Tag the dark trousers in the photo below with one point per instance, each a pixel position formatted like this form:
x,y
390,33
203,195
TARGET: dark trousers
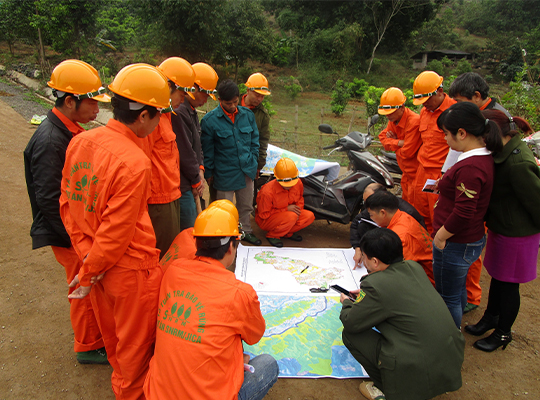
x,y
365,347
166,222
504,301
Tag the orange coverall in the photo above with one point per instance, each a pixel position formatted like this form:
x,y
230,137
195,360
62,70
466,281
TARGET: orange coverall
x,y
407,130
431,157
272,214
204,315
105,189
183,246
417,244
83,321
165,185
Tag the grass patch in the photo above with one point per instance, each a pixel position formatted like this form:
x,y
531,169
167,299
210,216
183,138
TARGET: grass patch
x,y
30,96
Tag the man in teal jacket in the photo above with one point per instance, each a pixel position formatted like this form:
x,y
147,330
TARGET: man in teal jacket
x,y
416,352
230,143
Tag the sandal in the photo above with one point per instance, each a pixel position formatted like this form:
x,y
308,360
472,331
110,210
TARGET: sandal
x,y
275,242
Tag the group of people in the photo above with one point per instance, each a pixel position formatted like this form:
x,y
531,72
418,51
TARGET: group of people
x,y
113,201
467,179
121,207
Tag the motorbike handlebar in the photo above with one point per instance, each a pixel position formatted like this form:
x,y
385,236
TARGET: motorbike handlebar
x,y
330,147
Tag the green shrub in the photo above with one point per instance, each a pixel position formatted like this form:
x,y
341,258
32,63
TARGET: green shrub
x,y
523,99
340,97
357,88
372,97
463,66
293,89
437,66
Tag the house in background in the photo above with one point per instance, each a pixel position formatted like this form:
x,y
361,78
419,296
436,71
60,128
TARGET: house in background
x,y
420,60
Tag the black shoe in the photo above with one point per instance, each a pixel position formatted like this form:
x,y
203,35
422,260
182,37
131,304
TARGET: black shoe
x,y
251,238
497,339
275,242
295,236
487,322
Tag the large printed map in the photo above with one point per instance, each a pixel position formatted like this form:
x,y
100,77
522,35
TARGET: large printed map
x,y
303,330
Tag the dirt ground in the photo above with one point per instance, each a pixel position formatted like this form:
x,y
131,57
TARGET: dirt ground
x,y
36,341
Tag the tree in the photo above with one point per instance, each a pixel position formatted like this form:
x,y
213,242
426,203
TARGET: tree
x,y
15,17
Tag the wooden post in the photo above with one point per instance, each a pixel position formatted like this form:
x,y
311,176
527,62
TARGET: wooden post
x,y
352,119
320,136
296,127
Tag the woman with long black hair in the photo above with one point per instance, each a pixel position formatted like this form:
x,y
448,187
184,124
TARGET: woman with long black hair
x,y
464,192
513,220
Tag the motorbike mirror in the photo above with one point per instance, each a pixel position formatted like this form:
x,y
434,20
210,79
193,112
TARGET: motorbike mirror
x,y
374,119
325,128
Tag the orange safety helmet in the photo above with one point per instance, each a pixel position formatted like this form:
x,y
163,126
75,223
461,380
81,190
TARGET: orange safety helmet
x,y
286,172
392,99
425,85
180,72
206,78
144,84
225,205
78,78
217,221
258,83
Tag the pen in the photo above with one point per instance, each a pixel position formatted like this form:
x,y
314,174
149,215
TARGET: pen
x,y
304,269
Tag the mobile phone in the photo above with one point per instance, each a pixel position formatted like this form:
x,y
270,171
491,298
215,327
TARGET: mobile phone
x,y
339,289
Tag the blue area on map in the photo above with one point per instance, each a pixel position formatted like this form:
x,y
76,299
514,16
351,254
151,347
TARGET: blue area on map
x,y
343,363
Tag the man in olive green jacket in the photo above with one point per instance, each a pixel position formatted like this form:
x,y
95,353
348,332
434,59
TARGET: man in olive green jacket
x,y
416,352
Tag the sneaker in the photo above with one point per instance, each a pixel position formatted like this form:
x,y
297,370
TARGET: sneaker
x,y
295,236
251,238
371,392
98,356
469,307
275,242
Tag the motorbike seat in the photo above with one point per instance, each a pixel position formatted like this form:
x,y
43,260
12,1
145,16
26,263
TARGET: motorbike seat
x,y
389,155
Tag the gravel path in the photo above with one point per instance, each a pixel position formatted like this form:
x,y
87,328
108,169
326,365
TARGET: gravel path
x,y
20,99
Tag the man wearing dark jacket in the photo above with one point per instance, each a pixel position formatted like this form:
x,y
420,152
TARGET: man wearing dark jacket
x,y
416,352
363,223
76,102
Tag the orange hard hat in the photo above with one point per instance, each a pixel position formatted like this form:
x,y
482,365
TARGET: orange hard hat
x,y
216,221
206,78
226,205
425,85
392,99
78,78
144,84
180,72
258,83
286,172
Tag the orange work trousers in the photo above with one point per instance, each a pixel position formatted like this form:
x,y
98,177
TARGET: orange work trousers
x,y
474,291
126,302
83,321
407,188
285,223
422,201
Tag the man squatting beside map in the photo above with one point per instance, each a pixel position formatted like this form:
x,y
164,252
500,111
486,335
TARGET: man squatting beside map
x,y
280,205
416,351
193,320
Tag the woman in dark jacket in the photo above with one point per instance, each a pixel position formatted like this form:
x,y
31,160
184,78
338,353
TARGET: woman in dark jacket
x,y
513,220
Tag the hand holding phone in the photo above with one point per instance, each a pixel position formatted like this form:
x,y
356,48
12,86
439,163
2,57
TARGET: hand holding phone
x,y
339,289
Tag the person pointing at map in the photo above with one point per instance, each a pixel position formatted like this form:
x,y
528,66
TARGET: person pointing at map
x,y
280,205
204,314
416,352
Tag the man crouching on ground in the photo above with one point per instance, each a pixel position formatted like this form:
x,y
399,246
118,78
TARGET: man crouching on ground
x,y
417,351
204,314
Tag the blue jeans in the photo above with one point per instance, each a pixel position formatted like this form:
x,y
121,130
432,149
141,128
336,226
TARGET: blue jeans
x,y
258,383
450,267
188,210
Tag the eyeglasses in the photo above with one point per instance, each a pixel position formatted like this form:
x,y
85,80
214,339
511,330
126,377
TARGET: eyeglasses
x,y
318,290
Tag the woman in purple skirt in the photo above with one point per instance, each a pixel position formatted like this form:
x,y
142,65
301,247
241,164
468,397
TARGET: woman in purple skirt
x,y
513,220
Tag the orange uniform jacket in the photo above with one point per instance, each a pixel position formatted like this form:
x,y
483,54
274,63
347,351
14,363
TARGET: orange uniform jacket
x,y
406,130
105,189
204,314
273,199
165,163
417,244
434,147
183,246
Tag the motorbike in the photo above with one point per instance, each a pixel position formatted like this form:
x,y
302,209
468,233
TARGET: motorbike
x,y
340,200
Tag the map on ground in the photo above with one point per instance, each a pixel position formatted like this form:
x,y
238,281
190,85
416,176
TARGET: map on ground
x,y
305,165
303,330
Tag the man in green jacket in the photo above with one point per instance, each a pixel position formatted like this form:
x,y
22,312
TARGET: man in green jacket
x,y
416,352
230,143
